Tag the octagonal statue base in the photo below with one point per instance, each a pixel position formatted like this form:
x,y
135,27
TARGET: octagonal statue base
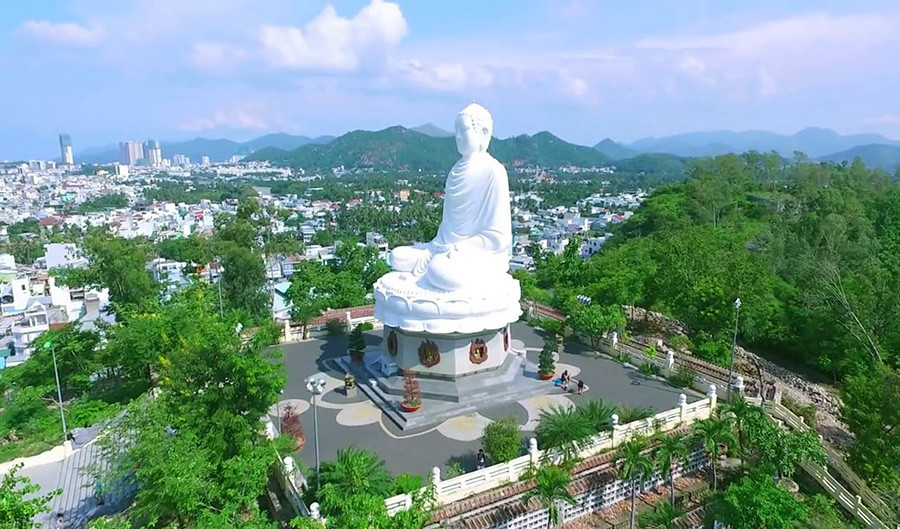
x,y
446,356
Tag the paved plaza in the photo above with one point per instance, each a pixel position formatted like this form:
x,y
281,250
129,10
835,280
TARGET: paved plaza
x,y
357,421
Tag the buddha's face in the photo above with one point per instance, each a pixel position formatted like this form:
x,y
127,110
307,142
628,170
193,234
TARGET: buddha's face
x,y
470,138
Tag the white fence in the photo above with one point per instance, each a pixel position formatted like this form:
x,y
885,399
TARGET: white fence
x,y
469,484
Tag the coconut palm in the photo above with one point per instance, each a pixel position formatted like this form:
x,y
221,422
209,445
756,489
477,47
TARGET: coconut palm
x,y
563,429
355,471
670,451
663,517
598,413
629,414
713,433
744,416
634,465
551,487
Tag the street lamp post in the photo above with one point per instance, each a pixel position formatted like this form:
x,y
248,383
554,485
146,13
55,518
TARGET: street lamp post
x,y
219,284
315,385
62,413
737,313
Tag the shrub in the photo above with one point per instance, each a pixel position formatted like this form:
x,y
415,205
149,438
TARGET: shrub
x,y
681,342
649,369
502,440
650,352
682,378
455,469
546,364
366,326
405,483
628,414
334,327
808,412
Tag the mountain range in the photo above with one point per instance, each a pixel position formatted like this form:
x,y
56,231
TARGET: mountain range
x,y
431,148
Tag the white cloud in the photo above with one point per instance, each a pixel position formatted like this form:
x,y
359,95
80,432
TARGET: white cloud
x,y
767,84
331,42
216,56
242,117
447,77
883,119
572,85
62,33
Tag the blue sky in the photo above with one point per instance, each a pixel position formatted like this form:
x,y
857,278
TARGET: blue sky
x,y
110,70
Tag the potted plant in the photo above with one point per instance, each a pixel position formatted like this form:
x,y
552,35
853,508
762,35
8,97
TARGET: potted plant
x,y
290,425
349,385
546,362
357,344
412,394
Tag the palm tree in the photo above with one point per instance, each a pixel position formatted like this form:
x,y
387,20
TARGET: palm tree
x,y
670,451
629,414
634,465
663,517
712,434
356,471
551,487
598,413
744,415
564,429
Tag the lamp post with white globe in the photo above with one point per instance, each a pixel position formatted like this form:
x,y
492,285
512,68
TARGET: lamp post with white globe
x,y
737,313
315,384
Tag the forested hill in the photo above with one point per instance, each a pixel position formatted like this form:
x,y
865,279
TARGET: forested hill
x,y
812,250
399,148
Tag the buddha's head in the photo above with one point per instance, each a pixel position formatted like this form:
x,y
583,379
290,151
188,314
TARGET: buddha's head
x,y
474,127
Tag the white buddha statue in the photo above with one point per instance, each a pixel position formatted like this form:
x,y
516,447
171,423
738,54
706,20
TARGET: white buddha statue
x,y
474,241
458,282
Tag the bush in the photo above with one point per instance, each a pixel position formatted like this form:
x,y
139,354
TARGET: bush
x,y
502,440
714,349
649,369
808,412
682,378
405,483
546,364
681,342
334,327
366,326
455,469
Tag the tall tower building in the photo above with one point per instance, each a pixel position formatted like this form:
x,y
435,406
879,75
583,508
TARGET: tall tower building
x,y
153,153
65,150
130,152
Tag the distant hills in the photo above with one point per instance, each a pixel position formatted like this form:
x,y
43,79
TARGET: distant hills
x,y
431,148
814,142
400,148
217,149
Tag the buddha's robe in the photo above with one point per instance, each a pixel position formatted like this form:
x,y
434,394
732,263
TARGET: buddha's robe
x,y
473,244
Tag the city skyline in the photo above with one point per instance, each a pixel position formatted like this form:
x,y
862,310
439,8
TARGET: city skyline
x,y
582,70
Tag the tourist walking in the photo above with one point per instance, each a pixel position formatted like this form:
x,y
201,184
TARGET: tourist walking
x,y
565,380
479,459
580,386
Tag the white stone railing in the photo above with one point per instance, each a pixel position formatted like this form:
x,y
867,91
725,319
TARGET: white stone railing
x,y
471,483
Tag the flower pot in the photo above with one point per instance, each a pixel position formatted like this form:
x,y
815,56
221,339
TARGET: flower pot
x,y
357,356
409,408
545,376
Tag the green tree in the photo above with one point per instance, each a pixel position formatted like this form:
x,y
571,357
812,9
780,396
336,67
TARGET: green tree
x,y
598,413
546,364
871,410
551,488
713,434
743,415
20,501
755,502
633,466
244,280
355,472
595,320
670,451
565,430
502,440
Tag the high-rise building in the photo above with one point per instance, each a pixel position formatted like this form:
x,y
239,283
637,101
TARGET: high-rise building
x,y
153,153
204,160
180,160
130,152
65,149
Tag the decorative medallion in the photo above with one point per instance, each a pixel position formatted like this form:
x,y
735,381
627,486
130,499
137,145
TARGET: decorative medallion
x,y
429,355
478,351
392,343
506,338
